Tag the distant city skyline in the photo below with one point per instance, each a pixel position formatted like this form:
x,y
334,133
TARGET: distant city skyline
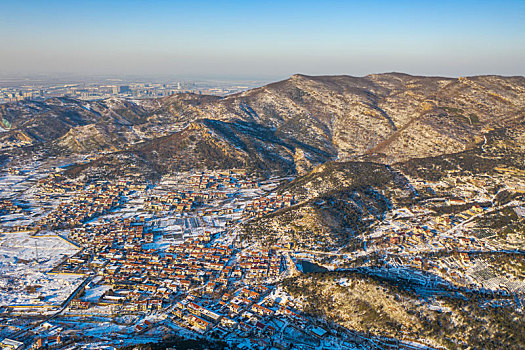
x,y
267,41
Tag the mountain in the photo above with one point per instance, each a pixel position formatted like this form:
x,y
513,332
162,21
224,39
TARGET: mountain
x,y
401,308
399,115
339,201
336,202
285,127
354,213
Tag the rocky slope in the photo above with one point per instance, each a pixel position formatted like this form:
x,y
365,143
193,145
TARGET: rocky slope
x,y
289,126
336,202
407,311
339,201
399,115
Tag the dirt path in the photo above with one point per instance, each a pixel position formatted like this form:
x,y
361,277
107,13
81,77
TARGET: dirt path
x,y
383,144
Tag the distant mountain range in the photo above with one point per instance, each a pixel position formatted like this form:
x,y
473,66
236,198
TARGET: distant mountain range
x,y
286,127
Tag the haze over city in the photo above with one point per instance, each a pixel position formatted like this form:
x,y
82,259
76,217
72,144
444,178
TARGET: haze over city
x,y
263,40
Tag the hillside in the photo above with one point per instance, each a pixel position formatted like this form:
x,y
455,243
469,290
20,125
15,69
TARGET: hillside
x,y
288,127
337,201
408,311
399,115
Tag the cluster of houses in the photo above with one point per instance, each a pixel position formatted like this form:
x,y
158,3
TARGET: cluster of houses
x,y
432,236
57,184
261,264
235,178
180,201
201,284
148,279
114,233
208,189
46,336
8,207
97,199
248,312
426,240
268,204
437,234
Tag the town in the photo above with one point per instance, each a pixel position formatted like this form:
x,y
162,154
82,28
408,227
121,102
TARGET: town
x,y
123,262
18,89
167,258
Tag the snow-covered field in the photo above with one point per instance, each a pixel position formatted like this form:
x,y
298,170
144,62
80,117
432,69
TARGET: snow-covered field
x,y
94,294
23,280
11,184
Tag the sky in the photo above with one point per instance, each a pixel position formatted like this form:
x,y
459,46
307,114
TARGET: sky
x,y
261,39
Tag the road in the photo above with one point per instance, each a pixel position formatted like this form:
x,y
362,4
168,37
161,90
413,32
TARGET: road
x,y
491,210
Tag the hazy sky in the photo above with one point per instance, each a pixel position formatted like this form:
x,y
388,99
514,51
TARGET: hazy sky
x,y
264,39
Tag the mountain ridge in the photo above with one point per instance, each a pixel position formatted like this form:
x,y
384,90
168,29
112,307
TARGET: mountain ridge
x,y
299,122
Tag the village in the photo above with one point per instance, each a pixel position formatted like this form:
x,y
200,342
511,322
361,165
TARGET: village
x,y
452,244
164,256
144,261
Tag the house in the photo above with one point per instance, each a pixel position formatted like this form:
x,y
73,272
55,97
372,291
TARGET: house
x,y
261,310
259,326
198,323
210,287
318,332
228,322
11,344
79,304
